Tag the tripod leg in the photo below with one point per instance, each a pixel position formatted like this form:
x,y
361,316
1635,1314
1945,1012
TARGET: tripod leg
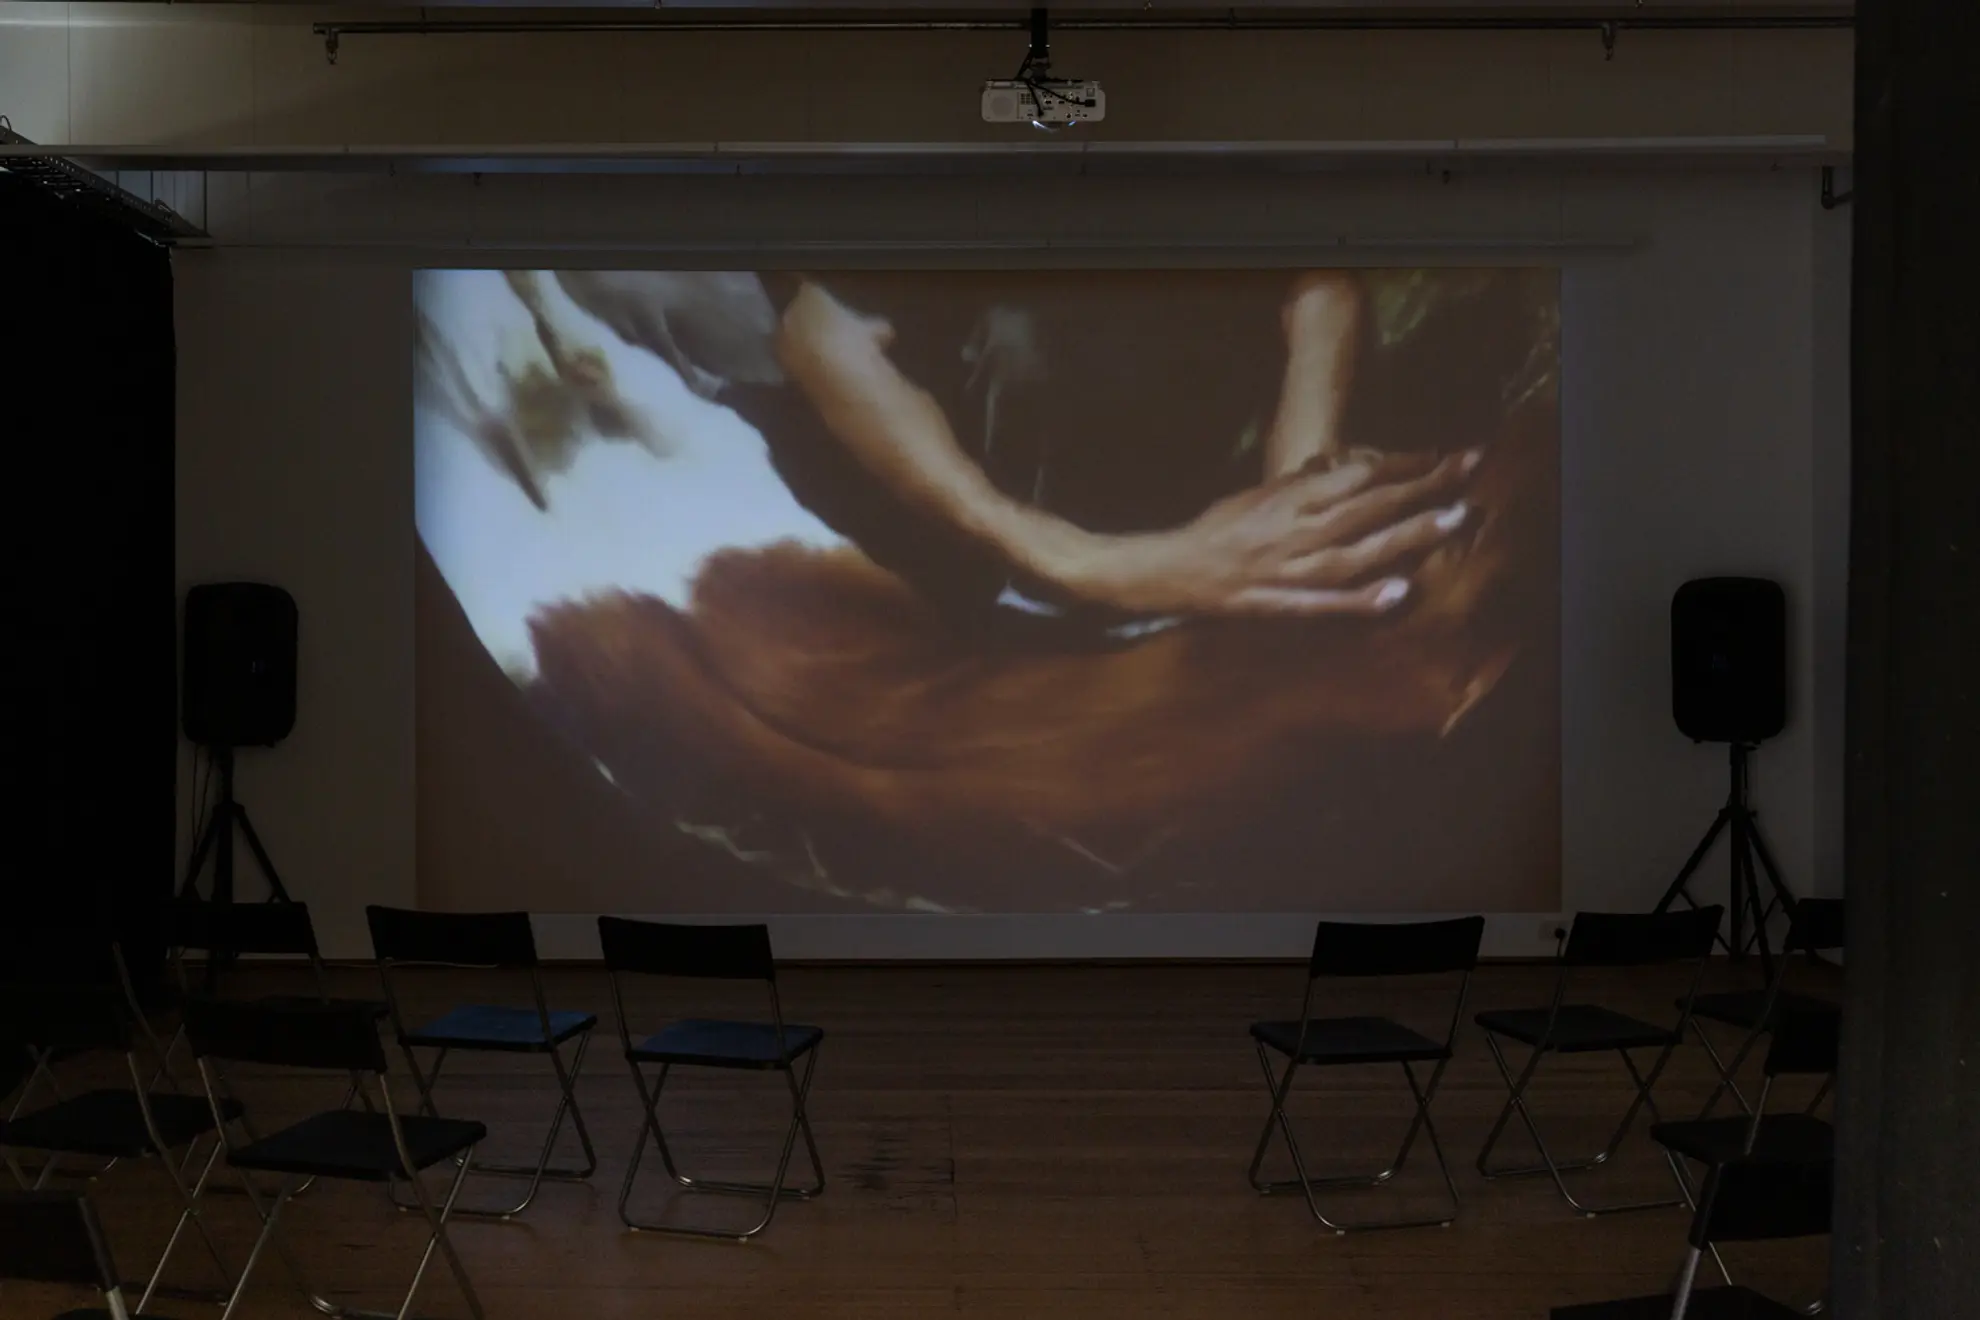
x,y
1781,892
1692,863
1749,893
1735,886
260,853
208,838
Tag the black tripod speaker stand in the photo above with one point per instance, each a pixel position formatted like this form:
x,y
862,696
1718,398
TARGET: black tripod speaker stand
x,y
1747,848
217,840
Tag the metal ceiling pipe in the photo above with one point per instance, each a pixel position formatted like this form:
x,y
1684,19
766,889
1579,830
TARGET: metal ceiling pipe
x,y
1608,21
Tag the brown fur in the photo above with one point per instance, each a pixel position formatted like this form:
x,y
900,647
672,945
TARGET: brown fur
x,y
818,685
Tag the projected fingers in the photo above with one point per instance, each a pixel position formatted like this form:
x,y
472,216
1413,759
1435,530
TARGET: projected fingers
x,y
1375,598
1381,505
1323,489
1378,551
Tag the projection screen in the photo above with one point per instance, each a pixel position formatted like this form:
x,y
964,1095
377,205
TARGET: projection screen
x,y
1001,592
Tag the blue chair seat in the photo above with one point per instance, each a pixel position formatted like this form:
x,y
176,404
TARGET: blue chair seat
x,y
1579,1029
1348,1040
491,1027
710,1043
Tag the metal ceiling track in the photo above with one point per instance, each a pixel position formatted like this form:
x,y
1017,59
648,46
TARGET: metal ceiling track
x,y
1099,157
1606,21
84,188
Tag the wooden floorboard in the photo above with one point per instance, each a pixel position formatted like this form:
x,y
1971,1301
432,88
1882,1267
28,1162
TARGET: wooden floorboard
x,y
999,1141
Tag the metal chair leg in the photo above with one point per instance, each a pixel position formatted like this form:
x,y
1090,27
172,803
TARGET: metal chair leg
x,y
189,1213
1728,1072
436,1220
1553,1168
1687,1276
774,1192
1690,1195
267,1235
1421,1122
540,1172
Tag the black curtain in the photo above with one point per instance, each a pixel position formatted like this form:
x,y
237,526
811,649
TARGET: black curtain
x,y
1907,1244
86,546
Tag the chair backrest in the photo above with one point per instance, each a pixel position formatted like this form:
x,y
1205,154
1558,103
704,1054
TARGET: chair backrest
x,y
1759,1200
289,1034
54,1237
1806,1041
452,939
1395,949
655,948
1817,926
1638,939
232,929
65,1017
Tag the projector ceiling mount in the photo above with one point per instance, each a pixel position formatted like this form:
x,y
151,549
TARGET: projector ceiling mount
x,y
1032,95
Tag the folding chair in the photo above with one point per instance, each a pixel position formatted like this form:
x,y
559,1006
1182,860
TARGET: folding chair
x,y
1805,1043
225,931
85,955
736,953
110,1124
1351,950
375,1145
1815,928
501,940
54,1237
1598,939
1748,1200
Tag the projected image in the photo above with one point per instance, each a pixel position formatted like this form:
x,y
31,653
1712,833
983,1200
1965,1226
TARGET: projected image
x,y
1019,591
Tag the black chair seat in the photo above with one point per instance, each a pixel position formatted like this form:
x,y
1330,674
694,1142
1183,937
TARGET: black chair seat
x,y
1791,1138
490,1027
108,1124
377,1008
1746,1008
1580,1028
715,1044
1706,1304
88,1313
1348,1040
357,1146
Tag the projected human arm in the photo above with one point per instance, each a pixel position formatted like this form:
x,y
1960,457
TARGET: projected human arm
x,y
1322,319
1311,539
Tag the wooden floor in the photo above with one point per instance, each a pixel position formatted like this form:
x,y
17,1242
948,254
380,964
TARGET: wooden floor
x,y
1022,1141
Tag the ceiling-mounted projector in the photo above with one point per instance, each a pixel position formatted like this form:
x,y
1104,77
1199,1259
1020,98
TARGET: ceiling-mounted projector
x,y
1033,96
1043,101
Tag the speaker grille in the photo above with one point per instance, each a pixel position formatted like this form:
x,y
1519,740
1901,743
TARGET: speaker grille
x,y
240,664
1729,659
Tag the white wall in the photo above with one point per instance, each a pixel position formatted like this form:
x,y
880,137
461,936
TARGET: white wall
x,y
239,75
1702,336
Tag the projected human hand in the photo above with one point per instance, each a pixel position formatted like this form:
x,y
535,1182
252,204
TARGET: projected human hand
x,y
1327,542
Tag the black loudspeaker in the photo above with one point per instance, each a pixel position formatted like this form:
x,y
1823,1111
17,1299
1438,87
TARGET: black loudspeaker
x,y
240,670
1729,660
